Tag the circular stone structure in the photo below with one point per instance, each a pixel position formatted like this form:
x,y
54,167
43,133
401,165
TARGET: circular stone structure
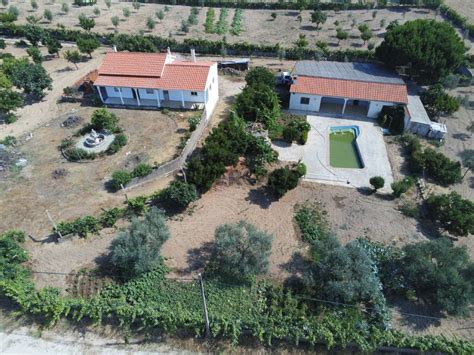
x,y
95,142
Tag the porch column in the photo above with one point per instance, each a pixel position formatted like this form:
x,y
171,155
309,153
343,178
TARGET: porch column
x,y
138,98
100,94
157,98
120,93
182,99
205,98
344,107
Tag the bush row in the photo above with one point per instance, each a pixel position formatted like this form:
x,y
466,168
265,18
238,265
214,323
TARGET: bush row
x,y
457,18
154,43
151,302
174,198
292,5
434,165
123,177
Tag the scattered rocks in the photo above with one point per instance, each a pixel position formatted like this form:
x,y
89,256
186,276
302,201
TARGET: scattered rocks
x,y
72,121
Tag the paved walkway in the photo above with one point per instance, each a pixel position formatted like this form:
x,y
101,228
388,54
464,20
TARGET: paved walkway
x,y
315,154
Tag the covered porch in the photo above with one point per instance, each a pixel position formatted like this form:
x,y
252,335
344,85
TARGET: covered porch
x,y
147,103
341,107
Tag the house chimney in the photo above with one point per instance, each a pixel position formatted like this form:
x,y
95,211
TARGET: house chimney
x,y
193,55
115,48
169,51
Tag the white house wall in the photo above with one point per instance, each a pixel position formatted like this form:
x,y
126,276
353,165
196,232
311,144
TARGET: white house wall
x,y
314,102
375,108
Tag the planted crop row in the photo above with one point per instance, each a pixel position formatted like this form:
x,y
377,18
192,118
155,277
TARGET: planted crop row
x,y
236,26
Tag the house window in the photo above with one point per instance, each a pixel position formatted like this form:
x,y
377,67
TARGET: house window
x,y
149,91
304,101
117,89
194,93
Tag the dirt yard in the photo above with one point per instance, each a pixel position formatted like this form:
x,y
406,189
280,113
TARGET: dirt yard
x,y
464,7
258,25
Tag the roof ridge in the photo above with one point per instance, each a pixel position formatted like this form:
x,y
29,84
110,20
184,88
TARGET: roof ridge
x,y
359,81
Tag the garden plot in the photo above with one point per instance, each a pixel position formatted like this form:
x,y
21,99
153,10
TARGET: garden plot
x,y
258,26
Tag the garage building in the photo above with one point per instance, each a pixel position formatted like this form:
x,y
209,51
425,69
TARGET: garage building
x,y
345,89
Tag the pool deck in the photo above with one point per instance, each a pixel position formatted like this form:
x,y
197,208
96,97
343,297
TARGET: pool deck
x,y
315,154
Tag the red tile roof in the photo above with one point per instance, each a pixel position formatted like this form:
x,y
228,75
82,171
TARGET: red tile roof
x,y
353,89
133,64
149,71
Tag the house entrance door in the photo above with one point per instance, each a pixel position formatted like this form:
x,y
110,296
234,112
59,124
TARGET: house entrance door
x,y
166,95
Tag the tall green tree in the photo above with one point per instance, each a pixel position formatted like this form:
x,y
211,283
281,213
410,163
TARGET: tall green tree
x,y
86,23
432,49
87,45
260,75
54,46
73,56
258,103
32,78
10,100
35,54
318,17
240,250
440,274
137,250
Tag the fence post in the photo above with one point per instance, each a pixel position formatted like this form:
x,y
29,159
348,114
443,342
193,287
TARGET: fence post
x,y
54,226
206,315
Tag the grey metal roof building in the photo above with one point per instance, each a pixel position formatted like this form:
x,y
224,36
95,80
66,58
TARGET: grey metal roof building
x,y
368,72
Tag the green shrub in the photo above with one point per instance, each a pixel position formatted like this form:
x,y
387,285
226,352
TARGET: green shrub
x,y
439,167
138,204
75,154
109,217
312,221
241,251
137,250
377,182
451,212
178,195
193,122
104,120
81,226
120,177
142,170
402,186
284,179
119,141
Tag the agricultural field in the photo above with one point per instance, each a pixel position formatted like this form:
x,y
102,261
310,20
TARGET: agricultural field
x,y
257,26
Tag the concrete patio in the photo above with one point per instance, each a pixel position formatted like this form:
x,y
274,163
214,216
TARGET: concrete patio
x,y
315,154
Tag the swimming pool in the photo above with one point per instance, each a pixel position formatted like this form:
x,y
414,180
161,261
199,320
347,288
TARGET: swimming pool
x,y
343,149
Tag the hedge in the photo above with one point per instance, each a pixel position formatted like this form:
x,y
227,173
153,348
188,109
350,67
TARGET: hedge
x,y
459,20
149,43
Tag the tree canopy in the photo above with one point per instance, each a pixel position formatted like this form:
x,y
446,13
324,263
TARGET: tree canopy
x,y
437,102
30,77
433,49
137,250
440,274
260,75
452,213
10,100
87,45
240,250
258,102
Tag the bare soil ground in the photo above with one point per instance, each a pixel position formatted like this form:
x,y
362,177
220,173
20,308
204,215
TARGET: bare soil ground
x,y
258,26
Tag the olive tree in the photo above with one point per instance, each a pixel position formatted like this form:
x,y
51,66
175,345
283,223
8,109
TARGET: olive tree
x,y
440,274
137,250
240,250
